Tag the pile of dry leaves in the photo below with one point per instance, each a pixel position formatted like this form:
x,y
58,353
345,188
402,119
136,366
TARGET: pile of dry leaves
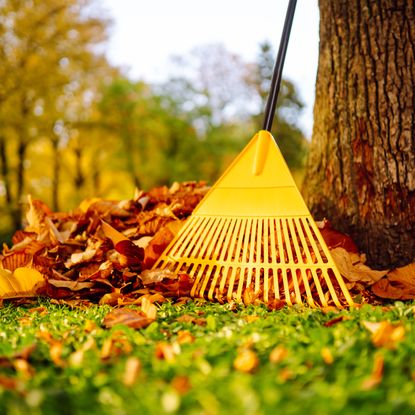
x,y
103,251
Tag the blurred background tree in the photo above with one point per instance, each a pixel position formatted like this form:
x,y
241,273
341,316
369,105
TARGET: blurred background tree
x,y
72,126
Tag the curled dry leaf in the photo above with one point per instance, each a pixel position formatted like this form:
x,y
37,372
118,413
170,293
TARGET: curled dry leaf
x,y
135,319
353,268
399,284
156,275
385,334
80,257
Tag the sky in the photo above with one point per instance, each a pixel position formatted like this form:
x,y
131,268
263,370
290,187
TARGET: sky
x,y
146,33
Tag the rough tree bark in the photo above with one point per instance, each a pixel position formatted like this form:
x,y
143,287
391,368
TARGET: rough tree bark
x,y
361,168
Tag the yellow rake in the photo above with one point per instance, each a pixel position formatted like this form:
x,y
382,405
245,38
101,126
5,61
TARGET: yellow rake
x,y
253,230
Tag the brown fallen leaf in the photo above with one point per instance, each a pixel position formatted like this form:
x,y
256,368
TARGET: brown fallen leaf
x,y
336,321
246,360
353,269
335,239
399,284
159,242
135,319
385,334
181,384
7,382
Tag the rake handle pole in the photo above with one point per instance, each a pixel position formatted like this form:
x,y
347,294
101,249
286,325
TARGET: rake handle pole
x,y
279,64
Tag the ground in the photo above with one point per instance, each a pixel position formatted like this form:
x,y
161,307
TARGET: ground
x,y
205,358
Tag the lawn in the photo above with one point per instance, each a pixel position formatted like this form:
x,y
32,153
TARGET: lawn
x,y
206,358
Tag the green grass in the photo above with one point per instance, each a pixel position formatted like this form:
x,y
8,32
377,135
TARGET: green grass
x,y
201,379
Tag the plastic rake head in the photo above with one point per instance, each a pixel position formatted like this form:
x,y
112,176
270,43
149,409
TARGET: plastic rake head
x,y
253,231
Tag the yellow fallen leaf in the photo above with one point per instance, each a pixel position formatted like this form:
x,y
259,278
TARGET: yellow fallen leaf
x,y
184,336
112,233
327,356
385,334
20,283
246,361
85,204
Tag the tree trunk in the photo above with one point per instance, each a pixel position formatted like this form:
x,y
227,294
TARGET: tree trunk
x,y
5,172
361,168
56,174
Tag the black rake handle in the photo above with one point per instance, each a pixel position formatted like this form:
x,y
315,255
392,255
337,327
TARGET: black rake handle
x,y
279,64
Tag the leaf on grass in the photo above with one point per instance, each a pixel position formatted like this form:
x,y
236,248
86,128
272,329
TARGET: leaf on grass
x,y
250,296
377,373
327,356
385,334
24,354
148,308
135,319
399,284
55,347
246,360
179,287
166,351
8,382
116,345
22,282
131,371
351,267
184,336
76,359
278,354
181,384
336,320
187,318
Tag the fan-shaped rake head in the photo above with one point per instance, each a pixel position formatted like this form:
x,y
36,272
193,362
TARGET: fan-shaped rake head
x,y
276,258
253,231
